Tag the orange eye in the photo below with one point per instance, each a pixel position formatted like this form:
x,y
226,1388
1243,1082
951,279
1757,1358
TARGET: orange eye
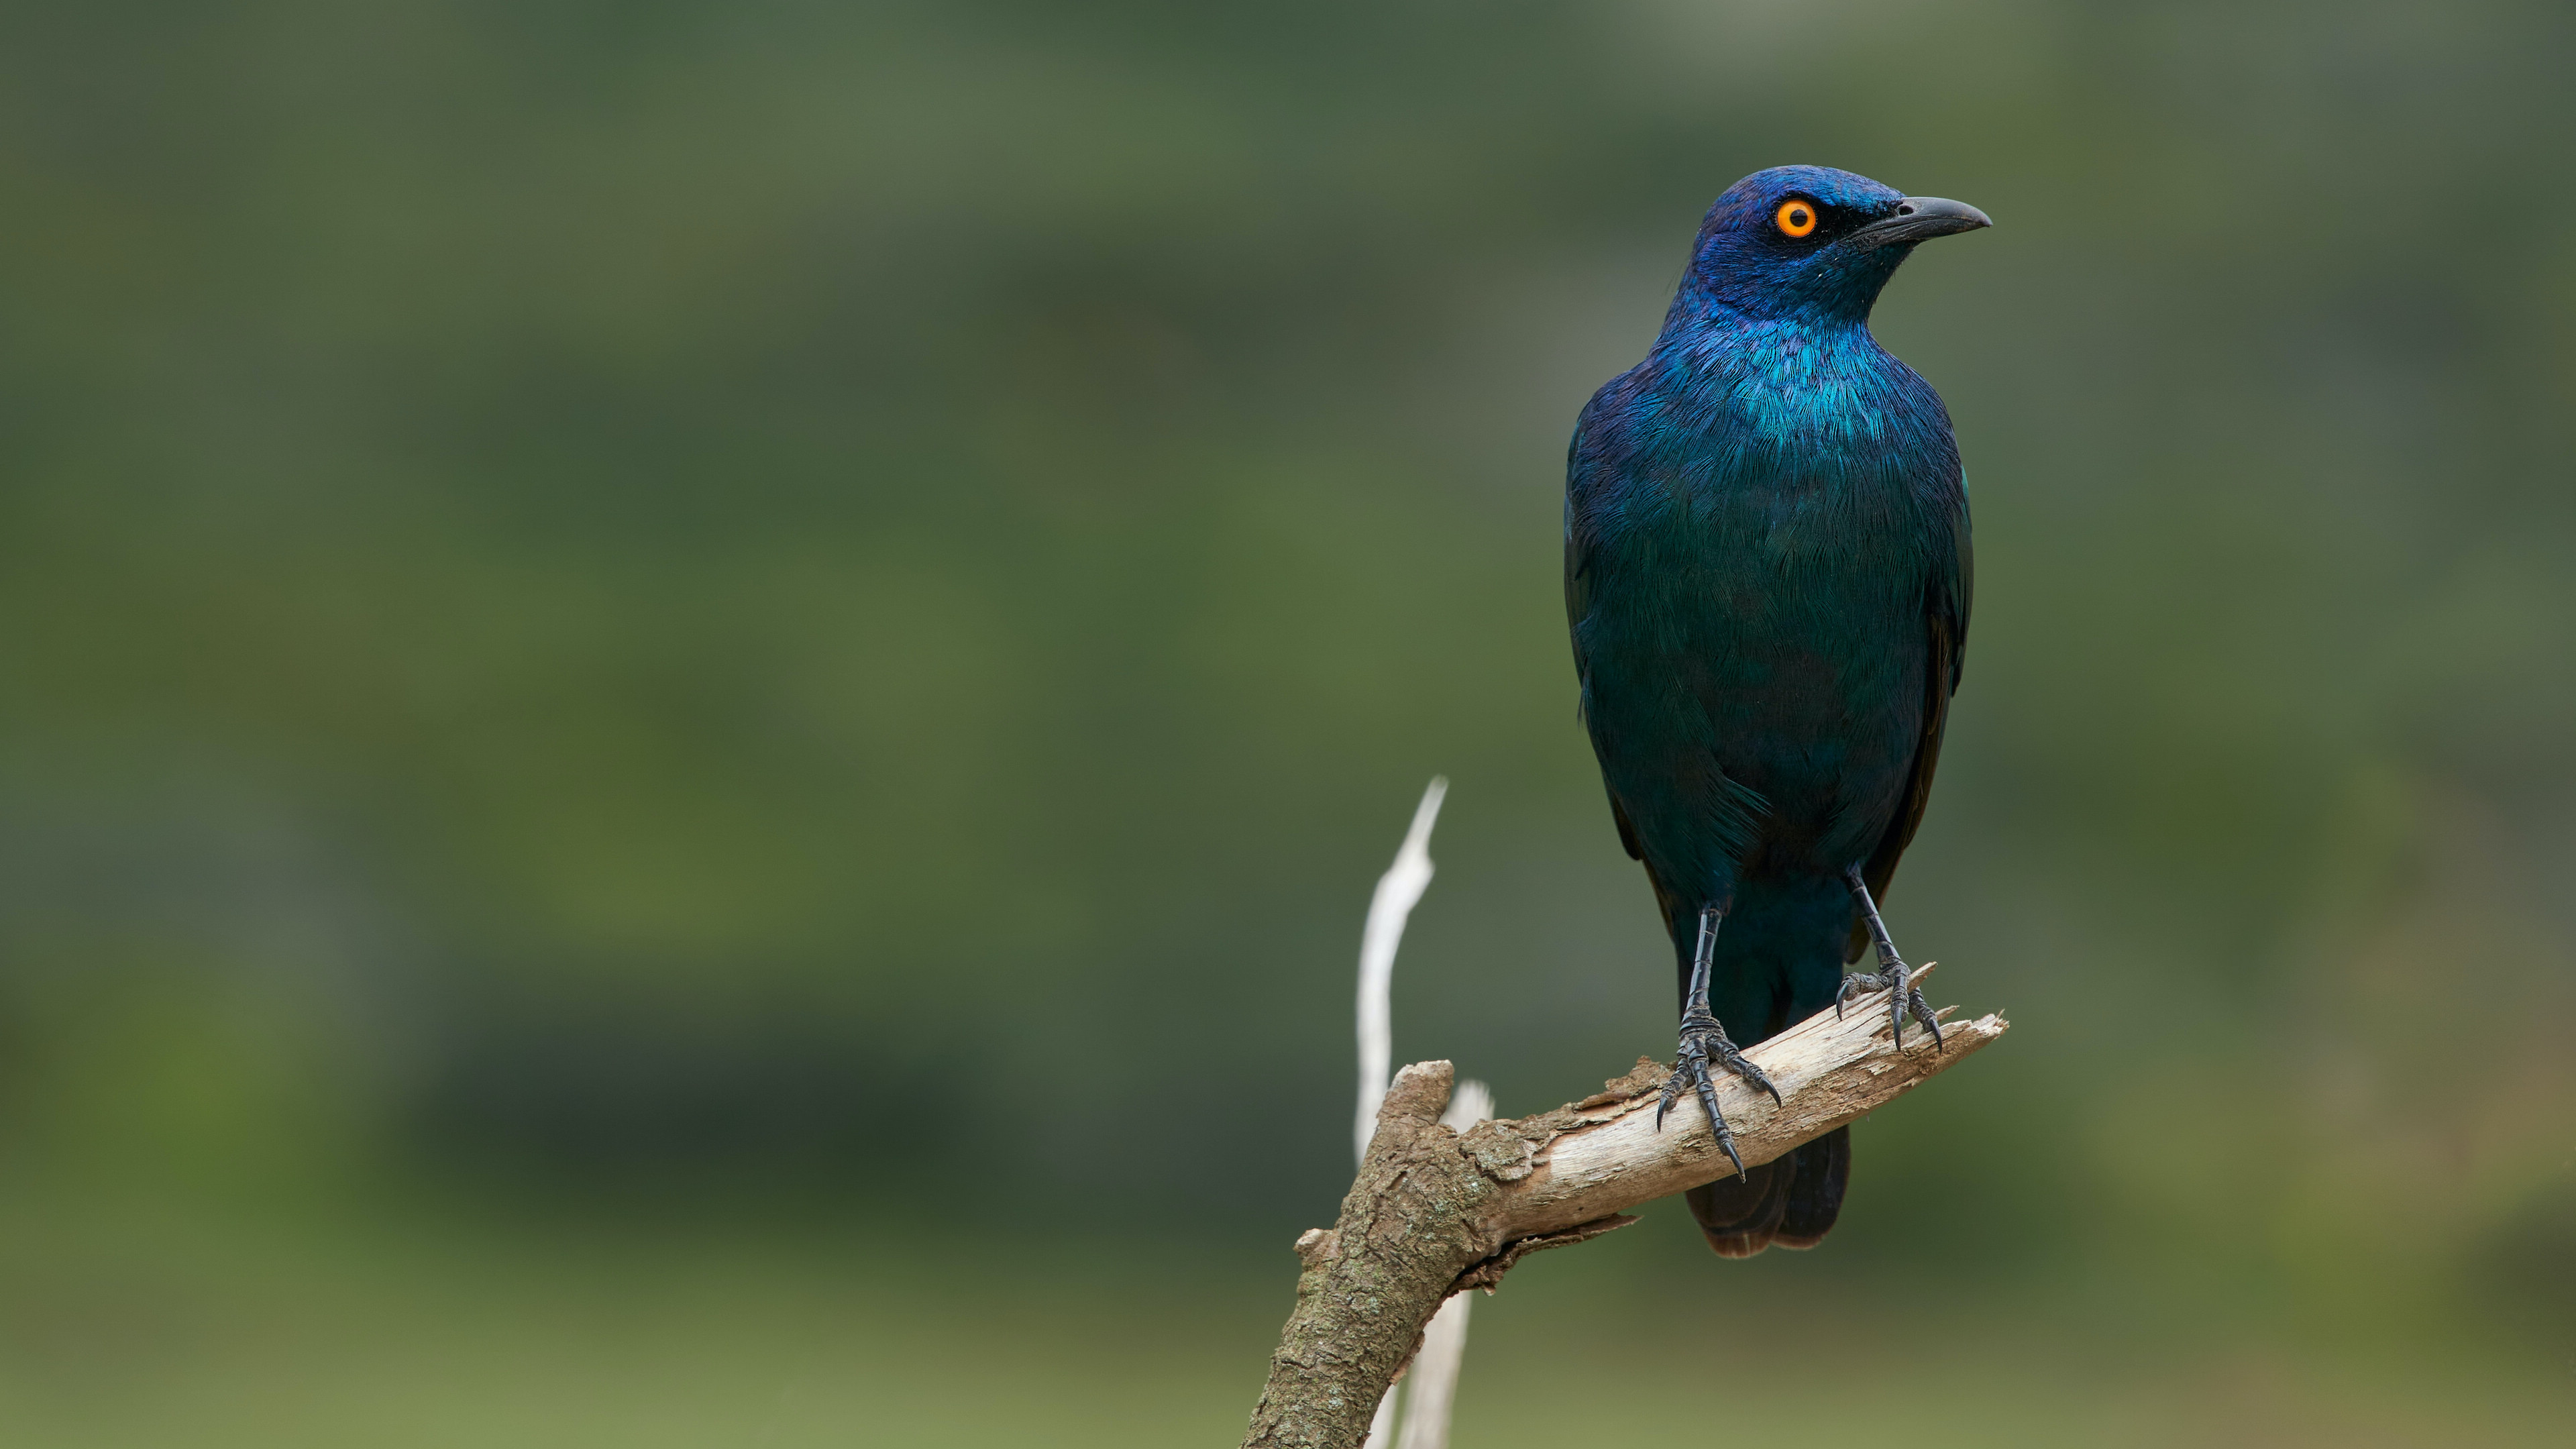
x,y
1796,218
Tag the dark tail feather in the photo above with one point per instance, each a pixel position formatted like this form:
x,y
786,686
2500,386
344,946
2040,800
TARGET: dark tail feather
x,y
1788,1202
1741,1217
1816,1197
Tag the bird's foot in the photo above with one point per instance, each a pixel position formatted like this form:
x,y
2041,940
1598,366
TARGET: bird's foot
x,y
1896,979
1704,1041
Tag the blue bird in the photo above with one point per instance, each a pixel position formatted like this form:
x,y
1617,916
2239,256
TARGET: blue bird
x,y
1767,577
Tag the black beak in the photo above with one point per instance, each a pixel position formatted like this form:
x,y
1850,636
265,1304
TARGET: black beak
x,y
1919,218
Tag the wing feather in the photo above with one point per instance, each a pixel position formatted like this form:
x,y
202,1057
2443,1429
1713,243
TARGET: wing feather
x,y
1945,629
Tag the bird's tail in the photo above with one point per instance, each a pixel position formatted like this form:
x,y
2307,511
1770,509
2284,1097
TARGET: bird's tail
x,y
1779,961
1789,1202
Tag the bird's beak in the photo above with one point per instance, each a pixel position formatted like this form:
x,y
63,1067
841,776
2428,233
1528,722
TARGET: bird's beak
x,y
1918,218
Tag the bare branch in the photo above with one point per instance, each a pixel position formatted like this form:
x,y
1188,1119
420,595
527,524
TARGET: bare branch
x,y
1433,1211
1390,905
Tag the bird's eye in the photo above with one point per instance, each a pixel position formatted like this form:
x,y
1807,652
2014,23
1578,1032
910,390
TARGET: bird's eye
x,y
1796,218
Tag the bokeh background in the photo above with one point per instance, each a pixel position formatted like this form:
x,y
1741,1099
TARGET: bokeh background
x,y
696,704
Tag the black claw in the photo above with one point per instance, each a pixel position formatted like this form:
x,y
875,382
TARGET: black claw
x,y
1727,1143
1923,1015
1703,1038
1706,1090
1893,975
1708,1103
1682,1070
1855,984
1902,997
1736,1063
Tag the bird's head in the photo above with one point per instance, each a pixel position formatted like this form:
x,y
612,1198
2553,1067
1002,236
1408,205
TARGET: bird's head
x,y
1811,240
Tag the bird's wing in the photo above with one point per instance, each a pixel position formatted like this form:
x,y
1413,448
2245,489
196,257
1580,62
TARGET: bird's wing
x,y
1578,606
1945,620
1586,461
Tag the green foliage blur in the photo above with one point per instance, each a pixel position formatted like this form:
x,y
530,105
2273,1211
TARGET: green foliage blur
x,y
696,703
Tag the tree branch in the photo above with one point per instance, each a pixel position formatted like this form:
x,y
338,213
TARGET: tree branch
x,y
1434,1211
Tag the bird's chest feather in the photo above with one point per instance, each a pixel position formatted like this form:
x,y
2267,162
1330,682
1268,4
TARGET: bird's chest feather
x,y
1785,496
1758,525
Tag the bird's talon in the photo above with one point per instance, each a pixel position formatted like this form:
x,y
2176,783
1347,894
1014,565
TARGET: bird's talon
x,y
1727,1144
1856,984
1923,1015
1903,998
1704,1041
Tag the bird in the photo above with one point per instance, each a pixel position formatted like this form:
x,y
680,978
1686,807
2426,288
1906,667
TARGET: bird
x,y
1768,574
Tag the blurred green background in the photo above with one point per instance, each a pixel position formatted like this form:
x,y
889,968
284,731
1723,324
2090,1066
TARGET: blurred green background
x,y
696,704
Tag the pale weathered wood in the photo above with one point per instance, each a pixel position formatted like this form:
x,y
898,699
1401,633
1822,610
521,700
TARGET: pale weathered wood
x,y
1434,1211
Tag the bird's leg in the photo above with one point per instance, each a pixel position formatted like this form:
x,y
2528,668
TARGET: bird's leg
x,y
1703,1041
1892,976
